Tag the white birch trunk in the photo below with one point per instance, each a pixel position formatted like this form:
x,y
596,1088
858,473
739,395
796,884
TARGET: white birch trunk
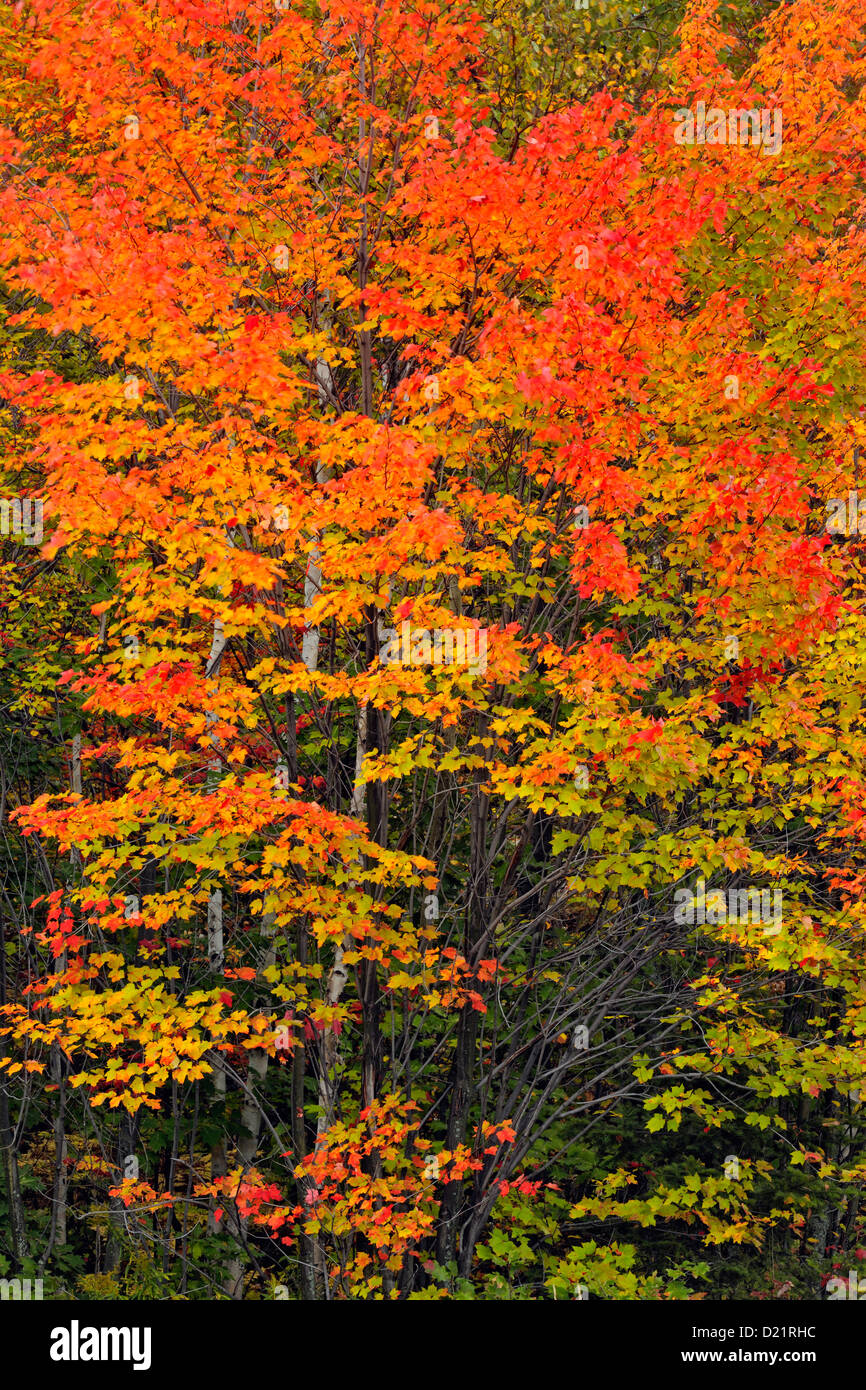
x,y
215,944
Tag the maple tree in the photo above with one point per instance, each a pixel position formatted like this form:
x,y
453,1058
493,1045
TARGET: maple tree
x,y
340,958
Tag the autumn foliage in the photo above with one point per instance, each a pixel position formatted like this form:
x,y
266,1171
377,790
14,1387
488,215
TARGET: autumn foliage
x,y
334,964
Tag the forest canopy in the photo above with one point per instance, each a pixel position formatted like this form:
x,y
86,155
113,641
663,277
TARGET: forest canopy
x,y
433,652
